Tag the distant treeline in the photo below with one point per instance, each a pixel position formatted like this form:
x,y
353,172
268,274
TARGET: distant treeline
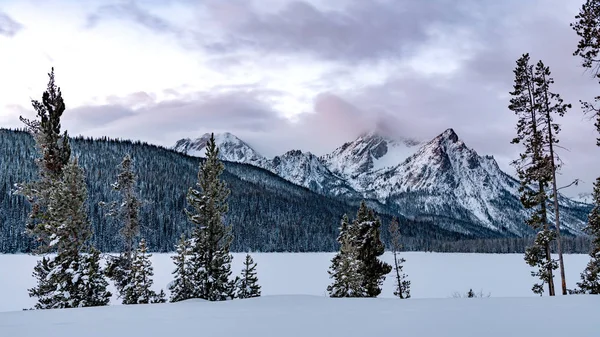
x,y
570,245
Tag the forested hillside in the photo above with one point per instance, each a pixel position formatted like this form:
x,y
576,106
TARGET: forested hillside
x,y
267,213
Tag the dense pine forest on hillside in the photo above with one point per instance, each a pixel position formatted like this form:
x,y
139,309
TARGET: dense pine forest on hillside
x,y
267,212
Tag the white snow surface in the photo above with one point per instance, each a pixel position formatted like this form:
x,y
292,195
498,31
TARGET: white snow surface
x,y
303,316
294,303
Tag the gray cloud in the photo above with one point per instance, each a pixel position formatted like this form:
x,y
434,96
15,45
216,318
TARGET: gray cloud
x,y
167,121
473,100
8,26
354,31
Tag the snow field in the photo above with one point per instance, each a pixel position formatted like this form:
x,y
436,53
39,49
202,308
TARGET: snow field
x,y
302,316
433,275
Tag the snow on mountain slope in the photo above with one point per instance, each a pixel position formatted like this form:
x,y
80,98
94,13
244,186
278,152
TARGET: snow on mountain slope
x,y
446,178
300,168
305,169
369,152
231,148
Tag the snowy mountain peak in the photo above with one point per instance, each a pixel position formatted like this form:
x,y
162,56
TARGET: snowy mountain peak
x,y
450,135
231,148
369,152
446,177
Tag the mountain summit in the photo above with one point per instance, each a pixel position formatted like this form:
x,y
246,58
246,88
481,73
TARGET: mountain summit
x,y
369,152
231,148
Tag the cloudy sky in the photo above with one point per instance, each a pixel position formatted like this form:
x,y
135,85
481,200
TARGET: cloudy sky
x,y
285,74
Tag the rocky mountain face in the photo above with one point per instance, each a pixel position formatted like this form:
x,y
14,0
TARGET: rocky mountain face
x,y
301,168
442,180
369,152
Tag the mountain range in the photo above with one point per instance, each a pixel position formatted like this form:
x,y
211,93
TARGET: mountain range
x,y
266,212
441,180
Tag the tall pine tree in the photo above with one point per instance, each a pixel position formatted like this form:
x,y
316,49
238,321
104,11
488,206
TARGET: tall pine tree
x,y
550,105
532,169
345,266
210,259
58,218
402,287
247,286
139,290
366,236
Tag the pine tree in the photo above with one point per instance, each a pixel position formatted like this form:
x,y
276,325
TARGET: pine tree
x,y
128,212
211,238
182,287
551,104
139,290
590,278
58,218
345,266
587,27
247,286
532,166
366,238
402,287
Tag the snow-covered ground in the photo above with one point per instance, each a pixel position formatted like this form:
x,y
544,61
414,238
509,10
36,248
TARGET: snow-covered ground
x,y
294,303
312,316
433,275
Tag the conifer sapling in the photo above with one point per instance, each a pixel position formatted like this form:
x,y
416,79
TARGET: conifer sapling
x,y
402,286
247,285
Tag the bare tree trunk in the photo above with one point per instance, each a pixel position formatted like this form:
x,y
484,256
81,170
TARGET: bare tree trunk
x,y
557,222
